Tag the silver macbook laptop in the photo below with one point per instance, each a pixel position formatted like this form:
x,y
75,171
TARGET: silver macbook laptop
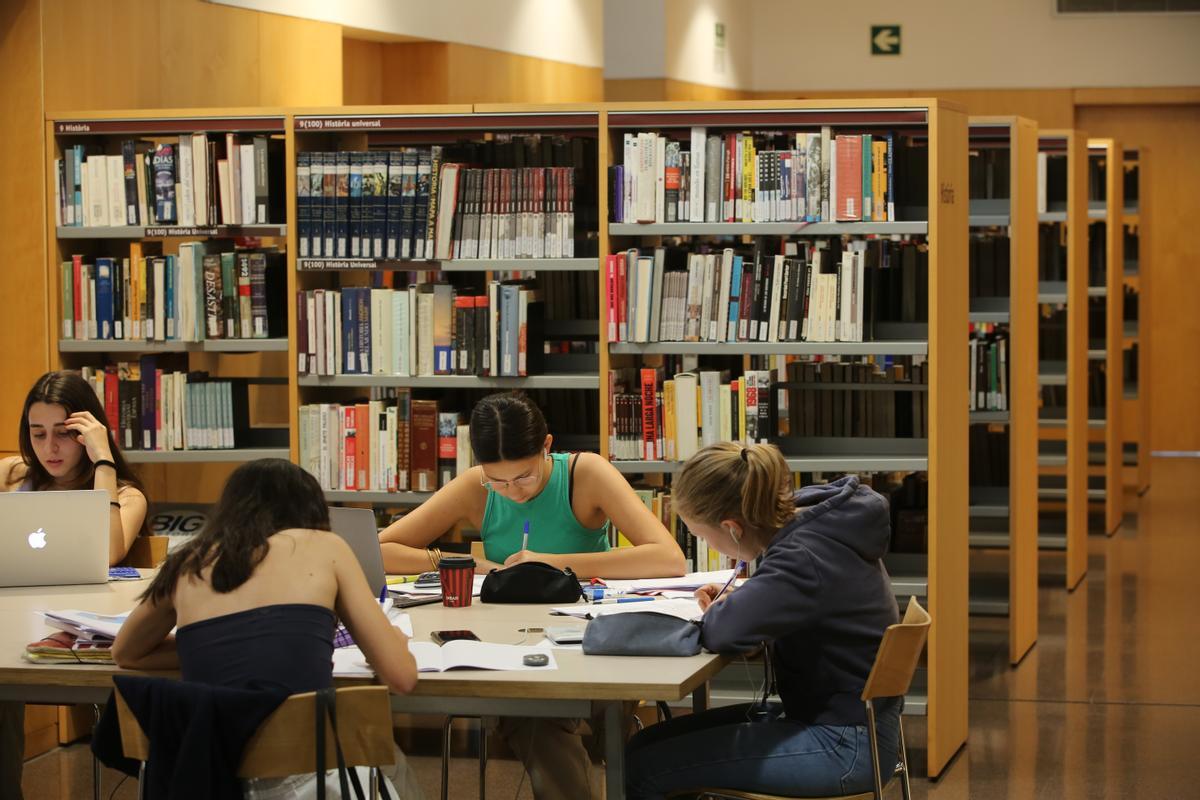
x,y
357,527
53,538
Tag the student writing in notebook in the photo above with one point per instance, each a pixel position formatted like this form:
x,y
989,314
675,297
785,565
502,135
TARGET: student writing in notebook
x,y
256,596
568,501
819,601
66,443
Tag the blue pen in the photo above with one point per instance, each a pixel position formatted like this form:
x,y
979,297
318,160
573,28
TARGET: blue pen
x,y
383,592
525,537
625,600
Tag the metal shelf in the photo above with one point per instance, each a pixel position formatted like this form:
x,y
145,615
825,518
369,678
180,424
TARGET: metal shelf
x,y
454,381
988,501
203,456
456,265
379,498
992,539
1097,291
206,346
988,220
1052,379
765,228
829,463
989,416
1131,329
1061,494
1052,292
166,231
1097,355
910,585
1052,216
898,347
1052,461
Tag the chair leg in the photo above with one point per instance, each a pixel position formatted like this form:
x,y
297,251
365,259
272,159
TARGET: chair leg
x,y
96,761
874,749
904,785
446,757
483,757
372,783
141,792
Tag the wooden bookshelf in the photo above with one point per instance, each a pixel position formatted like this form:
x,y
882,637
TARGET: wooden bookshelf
x,y
393,127
1135,407
942,570
1006,517
1063,452
1110,213
252,358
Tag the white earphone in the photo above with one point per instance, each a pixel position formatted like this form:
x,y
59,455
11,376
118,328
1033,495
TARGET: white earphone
x,y
733,534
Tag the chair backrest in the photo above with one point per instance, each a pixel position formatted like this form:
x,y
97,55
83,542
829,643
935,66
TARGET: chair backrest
x,y
898,654
285,743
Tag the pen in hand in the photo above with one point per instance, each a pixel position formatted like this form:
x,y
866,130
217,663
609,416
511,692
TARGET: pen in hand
x,y
525,537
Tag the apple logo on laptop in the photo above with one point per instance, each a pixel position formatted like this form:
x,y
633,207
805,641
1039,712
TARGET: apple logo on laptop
x,y
37,539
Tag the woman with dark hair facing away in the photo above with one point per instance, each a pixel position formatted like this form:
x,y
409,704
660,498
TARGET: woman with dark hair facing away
x,y
256,596
819,602
67,443
565,502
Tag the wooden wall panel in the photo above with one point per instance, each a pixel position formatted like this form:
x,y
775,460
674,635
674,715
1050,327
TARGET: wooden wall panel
x,y
23,207
415,73
634,89
190,54
1051,108
362,72
1169,325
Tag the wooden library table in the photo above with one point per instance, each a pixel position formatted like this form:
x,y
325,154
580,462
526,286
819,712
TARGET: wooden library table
x,y
580,685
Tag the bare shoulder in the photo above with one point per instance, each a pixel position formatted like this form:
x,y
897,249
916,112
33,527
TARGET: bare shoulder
x,y
12,472
130,493
592,467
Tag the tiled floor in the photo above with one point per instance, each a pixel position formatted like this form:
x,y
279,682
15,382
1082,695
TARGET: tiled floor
x,y
1106,705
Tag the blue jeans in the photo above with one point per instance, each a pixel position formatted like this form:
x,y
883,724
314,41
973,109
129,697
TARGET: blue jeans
x,y
723,748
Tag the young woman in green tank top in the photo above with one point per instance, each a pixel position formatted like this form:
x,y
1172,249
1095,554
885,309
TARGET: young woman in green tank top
x,y
566,502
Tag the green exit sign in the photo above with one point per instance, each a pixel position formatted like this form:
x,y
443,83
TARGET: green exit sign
x,y
885,40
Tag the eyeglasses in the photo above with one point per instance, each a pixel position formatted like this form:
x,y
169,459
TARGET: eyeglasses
x,y
523,482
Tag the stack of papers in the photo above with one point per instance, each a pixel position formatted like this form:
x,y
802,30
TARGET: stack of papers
x,y
686,609
685,583
412,590
88,626
63,647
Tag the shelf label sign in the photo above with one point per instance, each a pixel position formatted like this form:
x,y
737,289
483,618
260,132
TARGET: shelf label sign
x,y
885,40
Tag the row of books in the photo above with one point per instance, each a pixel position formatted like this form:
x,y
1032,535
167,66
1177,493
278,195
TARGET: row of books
x,y
1051,182
193,180
989,453
696,552
1052,333
1052,252
420,204
156,408
989,172
188,297
989,368
391,444
990,262
426,329
815,292
658,418
761,177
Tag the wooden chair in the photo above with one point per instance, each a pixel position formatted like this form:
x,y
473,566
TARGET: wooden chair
x,y
891,675
285,743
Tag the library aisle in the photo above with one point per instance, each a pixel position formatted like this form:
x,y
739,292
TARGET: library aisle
x,y
1105,704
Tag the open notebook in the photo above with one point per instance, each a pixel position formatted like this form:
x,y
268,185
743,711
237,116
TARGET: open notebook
x,y
350,662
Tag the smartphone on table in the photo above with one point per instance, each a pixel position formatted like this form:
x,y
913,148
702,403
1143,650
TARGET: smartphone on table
x,y
441,637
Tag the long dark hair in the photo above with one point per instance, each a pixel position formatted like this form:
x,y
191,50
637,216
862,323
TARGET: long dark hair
x,y
69,390
507,426
260,499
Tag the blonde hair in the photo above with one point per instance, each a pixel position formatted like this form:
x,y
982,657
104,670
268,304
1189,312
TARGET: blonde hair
x,y
728,480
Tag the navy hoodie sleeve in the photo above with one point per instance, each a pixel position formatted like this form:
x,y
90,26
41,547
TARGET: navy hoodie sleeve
x,y
779,599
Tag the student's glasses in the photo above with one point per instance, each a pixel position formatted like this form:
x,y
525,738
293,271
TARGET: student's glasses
x,y
523,482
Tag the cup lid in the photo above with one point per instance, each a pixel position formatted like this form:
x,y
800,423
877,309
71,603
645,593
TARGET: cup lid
x,y
456,562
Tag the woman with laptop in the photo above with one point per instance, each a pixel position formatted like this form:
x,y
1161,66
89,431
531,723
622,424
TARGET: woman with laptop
x,y
819,602
65,444
256,596
530,504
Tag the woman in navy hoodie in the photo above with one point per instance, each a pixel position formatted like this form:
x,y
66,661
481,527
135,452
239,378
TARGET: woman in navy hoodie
x,y
819,603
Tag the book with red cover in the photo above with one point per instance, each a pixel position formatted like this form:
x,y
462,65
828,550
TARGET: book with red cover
x,y
649,379
363,444
423,453
349,448
849,178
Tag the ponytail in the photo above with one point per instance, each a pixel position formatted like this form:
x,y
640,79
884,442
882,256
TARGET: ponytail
x,y
728,480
